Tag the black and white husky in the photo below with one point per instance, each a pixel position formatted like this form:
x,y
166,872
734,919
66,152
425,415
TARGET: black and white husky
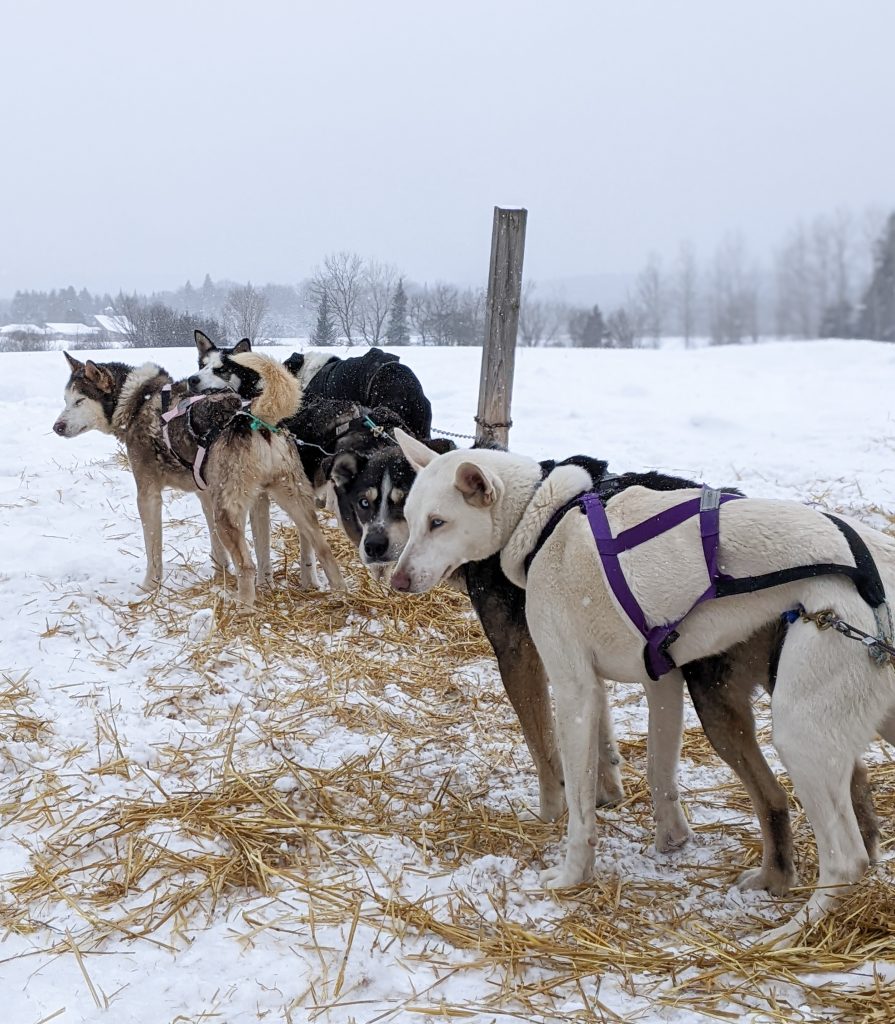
x,y
375,379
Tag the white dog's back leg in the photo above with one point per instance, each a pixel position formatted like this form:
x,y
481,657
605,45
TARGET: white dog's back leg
x,y
887,728
666,730
610,789
579,706
823,721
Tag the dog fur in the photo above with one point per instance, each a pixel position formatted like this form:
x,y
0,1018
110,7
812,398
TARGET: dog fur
x,y
829,698
720,687
374,379
243,466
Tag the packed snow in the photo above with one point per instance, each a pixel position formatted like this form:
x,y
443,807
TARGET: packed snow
x,y
85,718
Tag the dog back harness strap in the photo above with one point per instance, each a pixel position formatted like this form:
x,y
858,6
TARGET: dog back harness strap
x,y
204,442
658,639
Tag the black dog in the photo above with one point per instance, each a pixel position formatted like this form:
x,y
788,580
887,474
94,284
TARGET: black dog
x,y
374,379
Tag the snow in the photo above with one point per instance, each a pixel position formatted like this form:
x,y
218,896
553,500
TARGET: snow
x,y
82,684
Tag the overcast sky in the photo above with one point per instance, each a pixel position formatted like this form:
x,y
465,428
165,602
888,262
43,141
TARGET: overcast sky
x,y
147,142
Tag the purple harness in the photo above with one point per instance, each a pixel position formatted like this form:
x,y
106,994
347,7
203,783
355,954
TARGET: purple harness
x,y
658,638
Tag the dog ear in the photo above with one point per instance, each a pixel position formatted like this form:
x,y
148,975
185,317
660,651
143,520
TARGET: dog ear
x,y
99,376
345,467
416,453
73,364
242,346
204,344
294,363
475,484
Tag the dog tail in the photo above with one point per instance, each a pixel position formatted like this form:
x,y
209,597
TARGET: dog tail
x,y
280,392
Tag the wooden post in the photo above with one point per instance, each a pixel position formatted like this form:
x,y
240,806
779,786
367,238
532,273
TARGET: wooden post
x,y
501,321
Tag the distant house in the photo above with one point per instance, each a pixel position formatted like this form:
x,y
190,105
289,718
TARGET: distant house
x,y
71,332
22,329
113,323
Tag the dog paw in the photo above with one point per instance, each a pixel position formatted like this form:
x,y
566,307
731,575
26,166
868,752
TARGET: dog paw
x,y
610,793
772,880
783,937
562,877
670,838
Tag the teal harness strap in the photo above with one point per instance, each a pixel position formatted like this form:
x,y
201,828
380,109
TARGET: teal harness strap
x,y
256,423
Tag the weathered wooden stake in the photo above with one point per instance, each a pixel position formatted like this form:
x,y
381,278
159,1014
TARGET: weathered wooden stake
x,y
501,320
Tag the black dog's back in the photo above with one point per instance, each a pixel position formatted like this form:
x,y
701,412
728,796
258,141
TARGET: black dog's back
x,y
396,386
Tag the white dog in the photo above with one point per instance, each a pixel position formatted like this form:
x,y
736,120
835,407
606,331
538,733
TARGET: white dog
x,y
830,697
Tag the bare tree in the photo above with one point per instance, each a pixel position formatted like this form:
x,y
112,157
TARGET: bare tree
x,y
418,315
377,283
245,311
797,313
623,328
651,298
685,291
341,277
532,317
733,294
540,320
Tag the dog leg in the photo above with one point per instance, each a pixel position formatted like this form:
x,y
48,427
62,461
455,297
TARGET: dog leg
x,y
218,551
300,508
149,505
500,607
610,788
307,563
578,707
259,517
819,683
232,533
721,689
865,812
666,729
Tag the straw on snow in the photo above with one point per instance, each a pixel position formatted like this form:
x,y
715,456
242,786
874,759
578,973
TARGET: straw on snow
x,y
242,833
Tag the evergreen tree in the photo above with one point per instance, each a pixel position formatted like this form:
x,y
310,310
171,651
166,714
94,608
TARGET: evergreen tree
x,y
325,329
837,321
208,296
587,329
876,317
397,333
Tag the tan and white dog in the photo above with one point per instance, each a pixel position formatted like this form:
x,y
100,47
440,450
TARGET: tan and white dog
x,y
244,466
829,700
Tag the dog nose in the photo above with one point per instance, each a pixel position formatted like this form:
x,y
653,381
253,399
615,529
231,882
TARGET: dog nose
x,y
376,545
401,581
59,427
193,382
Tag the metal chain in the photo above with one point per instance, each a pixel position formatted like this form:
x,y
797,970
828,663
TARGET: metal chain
x,y
448,433
877,648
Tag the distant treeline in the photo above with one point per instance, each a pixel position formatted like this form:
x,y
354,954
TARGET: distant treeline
x,y
833,277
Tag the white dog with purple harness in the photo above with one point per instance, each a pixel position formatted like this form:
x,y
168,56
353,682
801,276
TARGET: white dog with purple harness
x,y
646,606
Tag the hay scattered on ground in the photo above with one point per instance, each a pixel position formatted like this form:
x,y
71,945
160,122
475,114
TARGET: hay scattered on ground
x,y
242,816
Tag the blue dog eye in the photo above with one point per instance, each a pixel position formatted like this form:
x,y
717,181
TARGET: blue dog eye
x,y
364,503
435,523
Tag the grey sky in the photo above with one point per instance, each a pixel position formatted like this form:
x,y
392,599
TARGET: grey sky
x,y
147,142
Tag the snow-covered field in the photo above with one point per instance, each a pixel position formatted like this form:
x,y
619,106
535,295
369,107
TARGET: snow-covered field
x,y
143,746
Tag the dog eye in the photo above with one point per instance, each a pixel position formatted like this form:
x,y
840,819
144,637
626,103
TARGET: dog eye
x,y
79,401
364,503
435,523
